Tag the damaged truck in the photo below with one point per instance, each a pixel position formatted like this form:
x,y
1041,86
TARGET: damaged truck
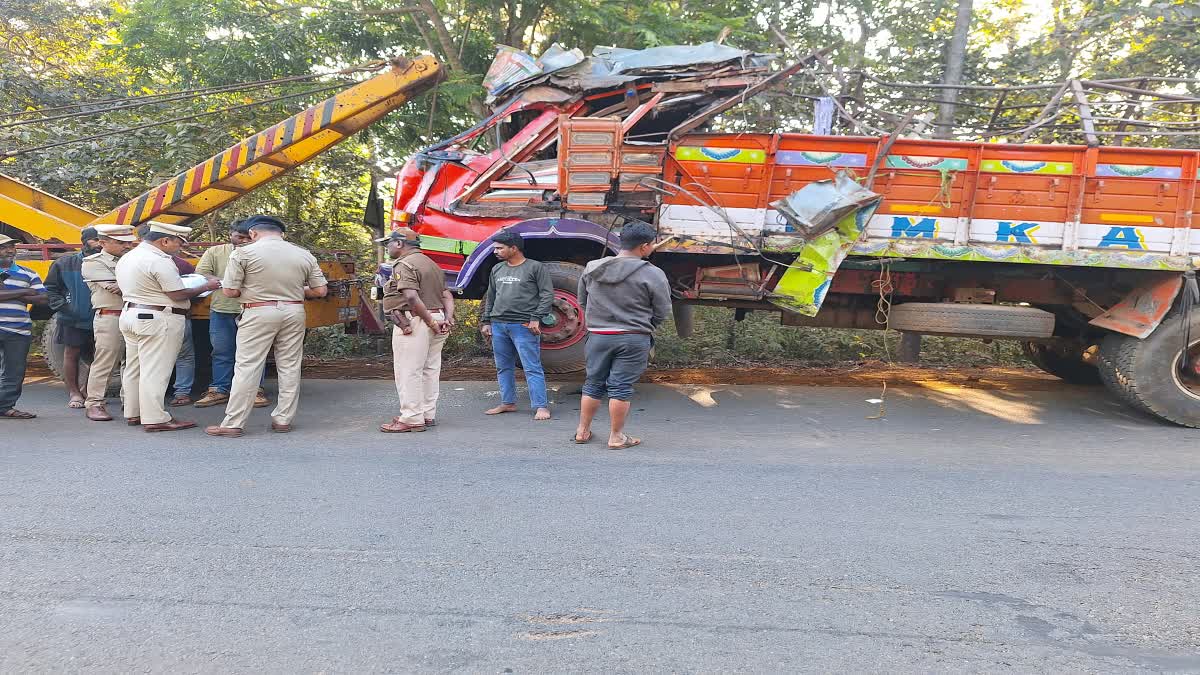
x,y
1082,253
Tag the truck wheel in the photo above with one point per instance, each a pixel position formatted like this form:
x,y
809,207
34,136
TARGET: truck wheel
x,y
53,355
1145,373
1063,360
971,320
564,343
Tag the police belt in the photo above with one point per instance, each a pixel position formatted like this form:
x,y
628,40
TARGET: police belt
x,y
272,303
108,312
157,308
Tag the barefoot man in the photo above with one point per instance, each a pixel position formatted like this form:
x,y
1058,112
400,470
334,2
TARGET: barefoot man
x,y
519,294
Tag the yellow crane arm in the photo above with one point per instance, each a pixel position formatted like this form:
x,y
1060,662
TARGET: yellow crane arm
x,y
40,214
271,153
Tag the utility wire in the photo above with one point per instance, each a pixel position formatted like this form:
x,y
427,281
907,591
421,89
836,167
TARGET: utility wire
x,y
24,151
152,99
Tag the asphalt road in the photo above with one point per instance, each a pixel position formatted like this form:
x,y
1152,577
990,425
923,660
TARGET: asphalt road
x,y
758,529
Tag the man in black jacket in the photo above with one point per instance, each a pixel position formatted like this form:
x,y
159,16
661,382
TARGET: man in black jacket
x,y
71,300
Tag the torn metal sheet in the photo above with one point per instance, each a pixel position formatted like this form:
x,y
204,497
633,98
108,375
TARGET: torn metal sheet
x,y
819,206
608,67
803,286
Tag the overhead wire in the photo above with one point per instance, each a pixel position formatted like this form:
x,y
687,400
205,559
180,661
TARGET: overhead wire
x,y
174,120
129,102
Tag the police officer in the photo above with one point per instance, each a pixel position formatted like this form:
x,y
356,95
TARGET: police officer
x,y
100,274
152,322
272,277
416,299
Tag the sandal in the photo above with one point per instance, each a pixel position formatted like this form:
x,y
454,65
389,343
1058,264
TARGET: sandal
x,y
13,413
580,441
75,404
627,441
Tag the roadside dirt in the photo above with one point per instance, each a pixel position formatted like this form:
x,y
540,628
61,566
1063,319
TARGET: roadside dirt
x,y
861,374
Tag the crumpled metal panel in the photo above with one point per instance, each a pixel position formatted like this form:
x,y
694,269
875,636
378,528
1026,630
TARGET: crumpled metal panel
x,y
610,67
1143,309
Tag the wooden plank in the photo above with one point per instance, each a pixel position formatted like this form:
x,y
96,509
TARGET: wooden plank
x,y
1085,114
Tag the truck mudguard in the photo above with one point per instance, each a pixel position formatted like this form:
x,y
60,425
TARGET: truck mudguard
x,y
539,228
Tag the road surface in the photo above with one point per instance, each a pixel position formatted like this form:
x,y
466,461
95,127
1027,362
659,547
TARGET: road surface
x,y
759,528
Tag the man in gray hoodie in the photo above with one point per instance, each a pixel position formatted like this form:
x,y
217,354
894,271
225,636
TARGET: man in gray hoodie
x,y
625,299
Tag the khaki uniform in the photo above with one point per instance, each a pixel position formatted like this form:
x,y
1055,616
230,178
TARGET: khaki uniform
x,y
269,271
417,357
98,270
152,336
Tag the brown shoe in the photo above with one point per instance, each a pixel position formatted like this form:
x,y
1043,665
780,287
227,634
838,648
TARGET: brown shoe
x,y
133,421
173,425
260,399
227,432
400,428
180,401
280,428
210,398
98,413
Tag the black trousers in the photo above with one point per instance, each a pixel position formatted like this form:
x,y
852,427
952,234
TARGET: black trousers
x,y
14,352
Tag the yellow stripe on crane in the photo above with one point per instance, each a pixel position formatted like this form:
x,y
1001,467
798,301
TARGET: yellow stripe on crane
x,y
272,152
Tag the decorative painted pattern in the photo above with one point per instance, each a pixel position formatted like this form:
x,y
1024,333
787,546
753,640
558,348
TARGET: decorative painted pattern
x,y
695,153
1138,171
917,248
448,245
810,158
925,162
1017,166
932,237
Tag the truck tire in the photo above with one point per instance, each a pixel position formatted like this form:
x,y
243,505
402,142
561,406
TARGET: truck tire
x,y
53,354
1063,360
564,344
1144,373
685,319
971,320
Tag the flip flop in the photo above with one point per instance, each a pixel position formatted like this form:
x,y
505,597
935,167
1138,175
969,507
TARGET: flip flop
x,y
14,414
627,441
577,441
75,404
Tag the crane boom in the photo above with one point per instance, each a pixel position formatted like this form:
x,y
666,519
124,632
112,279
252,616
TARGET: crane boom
x,y
41,214
256,160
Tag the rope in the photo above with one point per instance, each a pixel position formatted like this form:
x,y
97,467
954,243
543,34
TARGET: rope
x,y
1188,298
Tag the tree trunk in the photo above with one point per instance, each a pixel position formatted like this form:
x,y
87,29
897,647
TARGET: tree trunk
x,y
956,56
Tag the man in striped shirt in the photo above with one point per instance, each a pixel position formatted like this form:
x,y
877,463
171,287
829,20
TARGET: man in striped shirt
x,y
19,287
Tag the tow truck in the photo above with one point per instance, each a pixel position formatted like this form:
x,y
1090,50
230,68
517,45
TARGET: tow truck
x,y
51,226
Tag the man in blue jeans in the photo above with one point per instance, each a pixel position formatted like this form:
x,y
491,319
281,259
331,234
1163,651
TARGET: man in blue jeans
x,y
223,316
625,298
519,294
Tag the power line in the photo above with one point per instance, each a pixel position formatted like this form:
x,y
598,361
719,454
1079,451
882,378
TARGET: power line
x,y
151,99
186,118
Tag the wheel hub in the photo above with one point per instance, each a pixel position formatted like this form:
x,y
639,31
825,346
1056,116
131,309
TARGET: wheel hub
x,y
567,327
